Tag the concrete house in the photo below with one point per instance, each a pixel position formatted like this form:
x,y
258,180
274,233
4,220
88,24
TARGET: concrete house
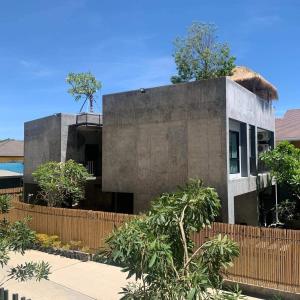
x,y
152,140
156,139
61,137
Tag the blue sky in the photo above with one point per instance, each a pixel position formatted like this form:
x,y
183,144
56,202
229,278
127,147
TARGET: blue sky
x,y
128,45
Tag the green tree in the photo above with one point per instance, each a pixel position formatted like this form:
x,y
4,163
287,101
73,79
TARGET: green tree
x,y
83,87
61,183
284,164
17,237
199,55
158,250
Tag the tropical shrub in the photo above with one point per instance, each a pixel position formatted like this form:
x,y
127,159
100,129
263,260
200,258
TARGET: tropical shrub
x,y
158,250
53,241
47,241
286,210
284,164
17,237
62,184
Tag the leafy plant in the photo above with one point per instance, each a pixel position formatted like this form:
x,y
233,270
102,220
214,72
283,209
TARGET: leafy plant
x,y
200,56
86,249
61,183
17,237
284,163
66,246
75,245
47,241
83,87
5,203
53,241
286,210
158,250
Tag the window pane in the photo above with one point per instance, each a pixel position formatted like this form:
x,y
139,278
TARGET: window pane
x,y
234,146
234,152
234,166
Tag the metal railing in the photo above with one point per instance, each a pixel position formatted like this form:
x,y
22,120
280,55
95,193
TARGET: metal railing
x,y
89,119
90,166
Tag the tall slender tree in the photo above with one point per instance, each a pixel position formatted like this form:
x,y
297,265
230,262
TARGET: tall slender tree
x,y
200,56
83,87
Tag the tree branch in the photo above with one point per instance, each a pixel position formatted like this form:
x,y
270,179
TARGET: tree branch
x,y
183,237
193,255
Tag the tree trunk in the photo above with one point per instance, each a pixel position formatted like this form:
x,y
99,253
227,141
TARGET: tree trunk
x,y
91,104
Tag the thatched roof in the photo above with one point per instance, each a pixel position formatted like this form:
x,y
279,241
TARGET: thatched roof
x,y
254,82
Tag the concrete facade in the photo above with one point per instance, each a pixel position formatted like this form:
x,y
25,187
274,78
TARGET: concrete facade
x,y
158,139
154,140
45,140
247,108
58,138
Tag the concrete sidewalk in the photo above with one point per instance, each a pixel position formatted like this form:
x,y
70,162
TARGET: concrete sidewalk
x,y
70,279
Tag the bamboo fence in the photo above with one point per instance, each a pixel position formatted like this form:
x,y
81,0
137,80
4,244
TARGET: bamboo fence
x,y
12,191
89,227
268,257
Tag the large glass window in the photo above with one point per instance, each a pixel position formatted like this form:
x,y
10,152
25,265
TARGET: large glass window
x,y
265,142
234,155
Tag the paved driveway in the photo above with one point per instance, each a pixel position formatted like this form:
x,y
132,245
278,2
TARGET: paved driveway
x,y
70,279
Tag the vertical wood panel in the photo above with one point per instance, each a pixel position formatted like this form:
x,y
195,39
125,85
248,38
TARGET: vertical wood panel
x,y
268,257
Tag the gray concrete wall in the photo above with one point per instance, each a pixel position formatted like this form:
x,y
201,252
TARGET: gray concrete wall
x,y
41,143
245,209
45,139
246,107
66,121
157,140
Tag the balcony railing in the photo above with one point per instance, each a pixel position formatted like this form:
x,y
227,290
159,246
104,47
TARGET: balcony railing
x,y
90,166
89,119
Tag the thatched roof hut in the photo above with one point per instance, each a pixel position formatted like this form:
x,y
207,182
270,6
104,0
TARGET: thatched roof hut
x,y
254,82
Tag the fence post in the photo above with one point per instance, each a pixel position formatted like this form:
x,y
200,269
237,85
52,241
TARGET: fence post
x,y
15,296
5,294
2,294
23,298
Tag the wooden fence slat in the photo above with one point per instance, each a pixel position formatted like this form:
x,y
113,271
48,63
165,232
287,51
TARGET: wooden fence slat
x,y
90,227
268,257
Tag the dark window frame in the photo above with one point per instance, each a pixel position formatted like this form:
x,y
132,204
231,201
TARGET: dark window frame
x,y
236,159
252,150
